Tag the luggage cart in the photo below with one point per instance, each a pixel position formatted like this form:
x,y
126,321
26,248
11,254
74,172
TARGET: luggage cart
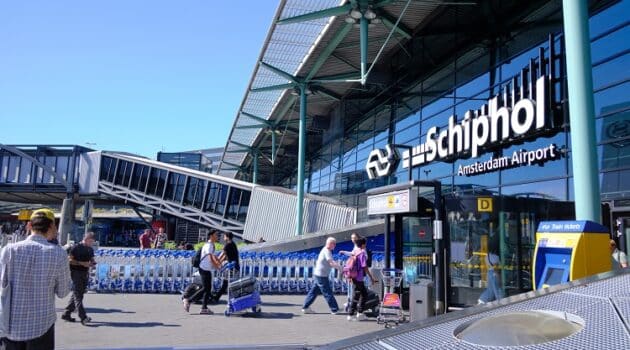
x,y
391,306
248,297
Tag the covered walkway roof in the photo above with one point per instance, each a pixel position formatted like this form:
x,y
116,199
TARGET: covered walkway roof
x,y
410,44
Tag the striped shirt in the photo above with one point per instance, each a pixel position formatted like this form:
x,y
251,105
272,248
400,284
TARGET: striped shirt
x,y
37,272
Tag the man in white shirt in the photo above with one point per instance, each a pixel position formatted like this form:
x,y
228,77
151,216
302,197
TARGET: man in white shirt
x,y
208,265
37,272
321,273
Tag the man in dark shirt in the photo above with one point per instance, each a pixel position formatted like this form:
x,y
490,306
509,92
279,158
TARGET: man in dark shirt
x,y
81,257
229,254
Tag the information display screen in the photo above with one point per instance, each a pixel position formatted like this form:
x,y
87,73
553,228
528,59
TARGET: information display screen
x,y
554,276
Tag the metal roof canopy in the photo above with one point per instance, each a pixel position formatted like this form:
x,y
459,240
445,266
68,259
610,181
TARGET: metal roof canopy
x,y
311,42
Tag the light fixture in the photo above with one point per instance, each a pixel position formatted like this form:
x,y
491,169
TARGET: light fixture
x,y
369,14
355,13
296,91
375,20
350,20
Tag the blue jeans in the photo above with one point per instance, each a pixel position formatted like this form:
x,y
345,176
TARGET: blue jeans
x,y
493,291
321,285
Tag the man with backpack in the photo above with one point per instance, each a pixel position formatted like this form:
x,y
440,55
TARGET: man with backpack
x,y
321,272
356,269
208,264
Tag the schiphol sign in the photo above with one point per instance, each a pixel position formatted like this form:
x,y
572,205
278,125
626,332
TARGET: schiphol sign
x,y
496,123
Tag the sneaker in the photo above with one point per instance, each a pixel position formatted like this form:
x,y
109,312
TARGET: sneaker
x,y
186,305
206,312
334,312
68,318
361,317
308,310
351,318
85,321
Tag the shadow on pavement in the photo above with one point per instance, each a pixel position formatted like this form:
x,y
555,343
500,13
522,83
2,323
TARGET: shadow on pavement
x,y
279,304
130,324
90,310
270,315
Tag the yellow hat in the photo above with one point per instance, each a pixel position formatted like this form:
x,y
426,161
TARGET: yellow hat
x,y
43,212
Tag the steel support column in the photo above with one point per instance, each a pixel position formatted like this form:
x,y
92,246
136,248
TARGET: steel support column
x,y
364,47
301,163
386,247
66,220
273,147
255,167
88,204
581,110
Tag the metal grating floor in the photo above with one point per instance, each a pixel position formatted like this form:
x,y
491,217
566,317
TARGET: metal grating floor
x,y
602,301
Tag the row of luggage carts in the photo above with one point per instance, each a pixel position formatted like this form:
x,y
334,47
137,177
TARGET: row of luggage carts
x,y
170,271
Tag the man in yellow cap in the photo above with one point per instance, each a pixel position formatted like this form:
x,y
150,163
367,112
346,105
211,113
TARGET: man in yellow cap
x,y
36,271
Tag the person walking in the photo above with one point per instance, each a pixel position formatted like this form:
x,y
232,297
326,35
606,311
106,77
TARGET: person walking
x,y
619,258
209,264
321,273
229,254
493,290
160,238
146,239
360,291
81,258
36,271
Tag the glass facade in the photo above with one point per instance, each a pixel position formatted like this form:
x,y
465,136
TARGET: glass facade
x,y
190,160
16,170
522,196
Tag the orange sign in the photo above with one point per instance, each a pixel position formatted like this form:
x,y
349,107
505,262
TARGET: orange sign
x,y
391,300
24,214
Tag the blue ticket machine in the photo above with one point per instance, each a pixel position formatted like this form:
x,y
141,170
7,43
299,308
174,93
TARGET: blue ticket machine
x,y
569,250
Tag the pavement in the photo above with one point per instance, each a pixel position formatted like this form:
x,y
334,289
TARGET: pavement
x,y
124,321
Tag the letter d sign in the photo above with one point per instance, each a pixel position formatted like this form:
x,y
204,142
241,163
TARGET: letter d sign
x,y
484,204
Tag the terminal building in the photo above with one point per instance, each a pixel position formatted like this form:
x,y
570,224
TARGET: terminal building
x,y
467,103
471,94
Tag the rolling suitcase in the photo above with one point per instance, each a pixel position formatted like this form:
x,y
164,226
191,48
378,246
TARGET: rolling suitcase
x,y
372,304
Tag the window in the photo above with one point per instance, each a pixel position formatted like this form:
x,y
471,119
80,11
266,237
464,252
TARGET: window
x,y
211,198
139,178
106,164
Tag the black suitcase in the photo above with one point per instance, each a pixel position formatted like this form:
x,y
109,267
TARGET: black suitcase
x,y
194,293
372,303
242,287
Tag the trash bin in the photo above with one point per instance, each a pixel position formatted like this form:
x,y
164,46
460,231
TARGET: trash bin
x,y
421,303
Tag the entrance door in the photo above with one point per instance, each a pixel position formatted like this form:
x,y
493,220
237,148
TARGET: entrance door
x,y
621,231
417,238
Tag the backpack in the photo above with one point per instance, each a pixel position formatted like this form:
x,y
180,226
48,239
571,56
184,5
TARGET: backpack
x,y
196,259
351,267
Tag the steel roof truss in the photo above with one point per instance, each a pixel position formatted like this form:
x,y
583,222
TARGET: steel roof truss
x,y
333,11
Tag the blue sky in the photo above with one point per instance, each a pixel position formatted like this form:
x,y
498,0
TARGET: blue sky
x,y
138,76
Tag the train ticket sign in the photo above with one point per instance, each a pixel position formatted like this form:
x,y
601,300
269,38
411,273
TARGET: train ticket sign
x,y
396,202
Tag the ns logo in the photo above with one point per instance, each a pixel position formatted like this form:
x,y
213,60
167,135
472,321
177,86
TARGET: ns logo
x,y
382,162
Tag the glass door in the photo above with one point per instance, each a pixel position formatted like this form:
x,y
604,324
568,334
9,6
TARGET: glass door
x,y
417,234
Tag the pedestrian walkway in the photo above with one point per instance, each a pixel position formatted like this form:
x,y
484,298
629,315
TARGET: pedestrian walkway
x,y
123,321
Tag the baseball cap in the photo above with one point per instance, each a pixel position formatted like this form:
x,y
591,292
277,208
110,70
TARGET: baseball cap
x,y
47,213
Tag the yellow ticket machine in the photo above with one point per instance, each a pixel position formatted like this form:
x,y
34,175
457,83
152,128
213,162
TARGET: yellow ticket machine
x,y
569,250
